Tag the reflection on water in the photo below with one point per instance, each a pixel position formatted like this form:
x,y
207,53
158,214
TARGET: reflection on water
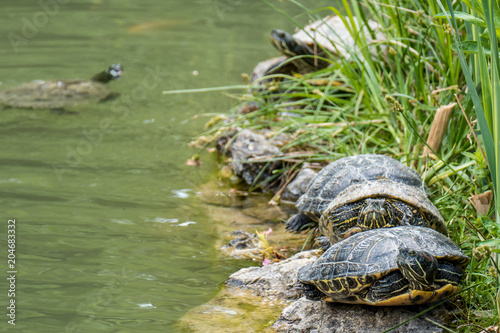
x,y
111,235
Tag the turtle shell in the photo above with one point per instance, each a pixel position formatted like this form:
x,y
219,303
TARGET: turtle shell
x,y
332,34
347,271
54,94
347,171
266,66
386,189
63,93
328,34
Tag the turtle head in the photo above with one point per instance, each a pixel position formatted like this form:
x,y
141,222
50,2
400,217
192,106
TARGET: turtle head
x,y
287,44
115,71
418,267
375,213
111,73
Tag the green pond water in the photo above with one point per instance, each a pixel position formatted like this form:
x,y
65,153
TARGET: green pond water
x,y
110,231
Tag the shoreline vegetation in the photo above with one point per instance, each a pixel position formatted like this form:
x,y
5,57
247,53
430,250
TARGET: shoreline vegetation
x,y
407,96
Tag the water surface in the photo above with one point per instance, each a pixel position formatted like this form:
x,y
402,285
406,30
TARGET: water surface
x,y
110,232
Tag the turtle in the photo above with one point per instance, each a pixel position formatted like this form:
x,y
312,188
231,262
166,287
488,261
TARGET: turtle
x,y
314,47
377,204
405,265
61,93
343,173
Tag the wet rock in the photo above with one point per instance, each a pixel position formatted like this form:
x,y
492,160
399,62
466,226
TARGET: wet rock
x,y
232,313
268,213
253,297
249,155
246,150
319,316
222,141
251,204
218,195
242,240
250,212
299,185
276,280
248,107
264,246
243,245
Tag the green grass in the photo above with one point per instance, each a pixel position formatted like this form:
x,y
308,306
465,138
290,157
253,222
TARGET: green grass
x,y
385,104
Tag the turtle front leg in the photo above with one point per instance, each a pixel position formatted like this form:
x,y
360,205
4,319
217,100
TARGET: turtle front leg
x,y
298,223
449,273
392,285
322,242
404,214
309,291
342,222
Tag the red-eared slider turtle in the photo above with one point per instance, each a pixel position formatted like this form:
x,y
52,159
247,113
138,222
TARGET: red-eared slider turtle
x,y
343,173
62,93
314,46
378,204
394,266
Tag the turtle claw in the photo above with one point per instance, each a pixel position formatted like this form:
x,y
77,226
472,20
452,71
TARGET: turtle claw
x,y
309,291
322,242
297,223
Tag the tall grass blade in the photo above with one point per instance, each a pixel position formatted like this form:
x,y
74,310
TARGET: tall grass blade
x,y
481,113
